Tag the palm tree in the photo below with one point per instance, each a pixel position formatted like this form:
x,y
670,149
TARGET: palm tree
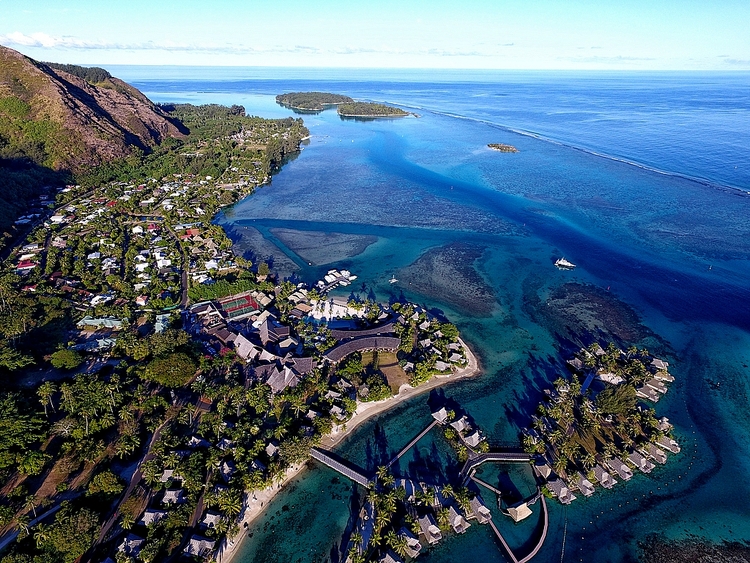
x,y
45,392
588,461
401,547
448,491
30,504
22,525
41,535
357,540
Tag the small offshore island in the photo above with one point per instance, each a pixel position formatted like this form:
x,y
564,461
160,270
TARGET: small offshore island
x,y
369,109
311,102
315,102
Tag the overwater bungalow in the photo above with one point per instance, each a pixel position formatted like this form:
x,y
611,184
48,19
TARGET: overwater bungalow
x,y
621,468
461,425
473,439
413,547
479,510
655,453
605,479
560,489
657,385
519,511
441,415
637,459
390,557
668,444
457,521
660,365
645,392
429,529
584,485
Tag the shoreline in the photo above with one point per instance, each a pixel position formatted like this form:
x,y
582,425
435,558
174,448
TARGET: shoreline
x,y
256,502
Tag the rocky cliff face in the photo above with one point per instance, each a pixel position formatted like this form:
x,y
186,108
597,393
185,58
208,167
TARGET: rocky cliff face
x,y
62,122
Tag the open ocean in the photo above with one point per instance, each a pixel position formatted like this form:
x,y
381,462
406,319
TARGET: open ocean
x,y
641,179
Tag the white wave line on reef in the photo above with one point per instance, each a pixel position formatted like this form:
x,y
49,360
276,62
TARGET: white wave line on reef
x,y
697,179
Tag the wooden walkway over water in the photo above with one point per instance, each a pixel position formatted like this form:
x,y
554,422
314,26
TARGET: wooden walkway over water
x,y
355,474
539,543
409,446
505,457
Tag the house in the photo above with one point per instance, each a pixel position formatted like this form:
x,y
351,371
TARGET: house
x,y
272,449
227,470
519,512
199,546
141,300
211,520
457,521
429,529
559,488
137,230
442,366
604,478
479,510
131,545
169,475
173,496
152,516
413,547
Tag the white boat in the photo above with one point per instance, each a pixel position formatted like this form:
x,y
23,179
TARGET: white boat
x,y
393,279
564,264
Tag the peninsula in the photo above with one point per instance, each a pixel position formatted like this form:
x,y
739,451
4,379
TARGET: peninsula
x,y
311,101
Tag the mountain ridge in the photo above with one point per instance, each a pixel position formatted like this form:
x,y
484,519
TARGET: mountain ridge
x,y
63,122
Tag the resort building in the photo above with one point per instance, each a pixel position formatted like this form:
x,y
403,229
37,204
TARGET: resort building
x,y
199,546
152,516
413,547
668,444
584,485
640,462
621,468
479,510
558,487
457,521
429,529
519,512
131,545
604,478
655,453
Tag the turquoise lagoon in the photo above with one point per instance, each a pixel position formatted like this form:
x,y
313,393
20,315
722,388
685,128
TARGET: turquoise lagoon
x,y
659,227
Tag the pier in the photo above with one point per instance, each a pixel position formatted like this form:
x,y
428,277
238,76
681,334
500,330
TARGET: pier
x,y
504,457
539,543
416,439
355,474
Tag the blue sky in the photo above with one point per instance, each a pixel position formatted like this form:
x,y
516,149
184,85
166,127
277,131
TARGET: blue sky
x,y
500,34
